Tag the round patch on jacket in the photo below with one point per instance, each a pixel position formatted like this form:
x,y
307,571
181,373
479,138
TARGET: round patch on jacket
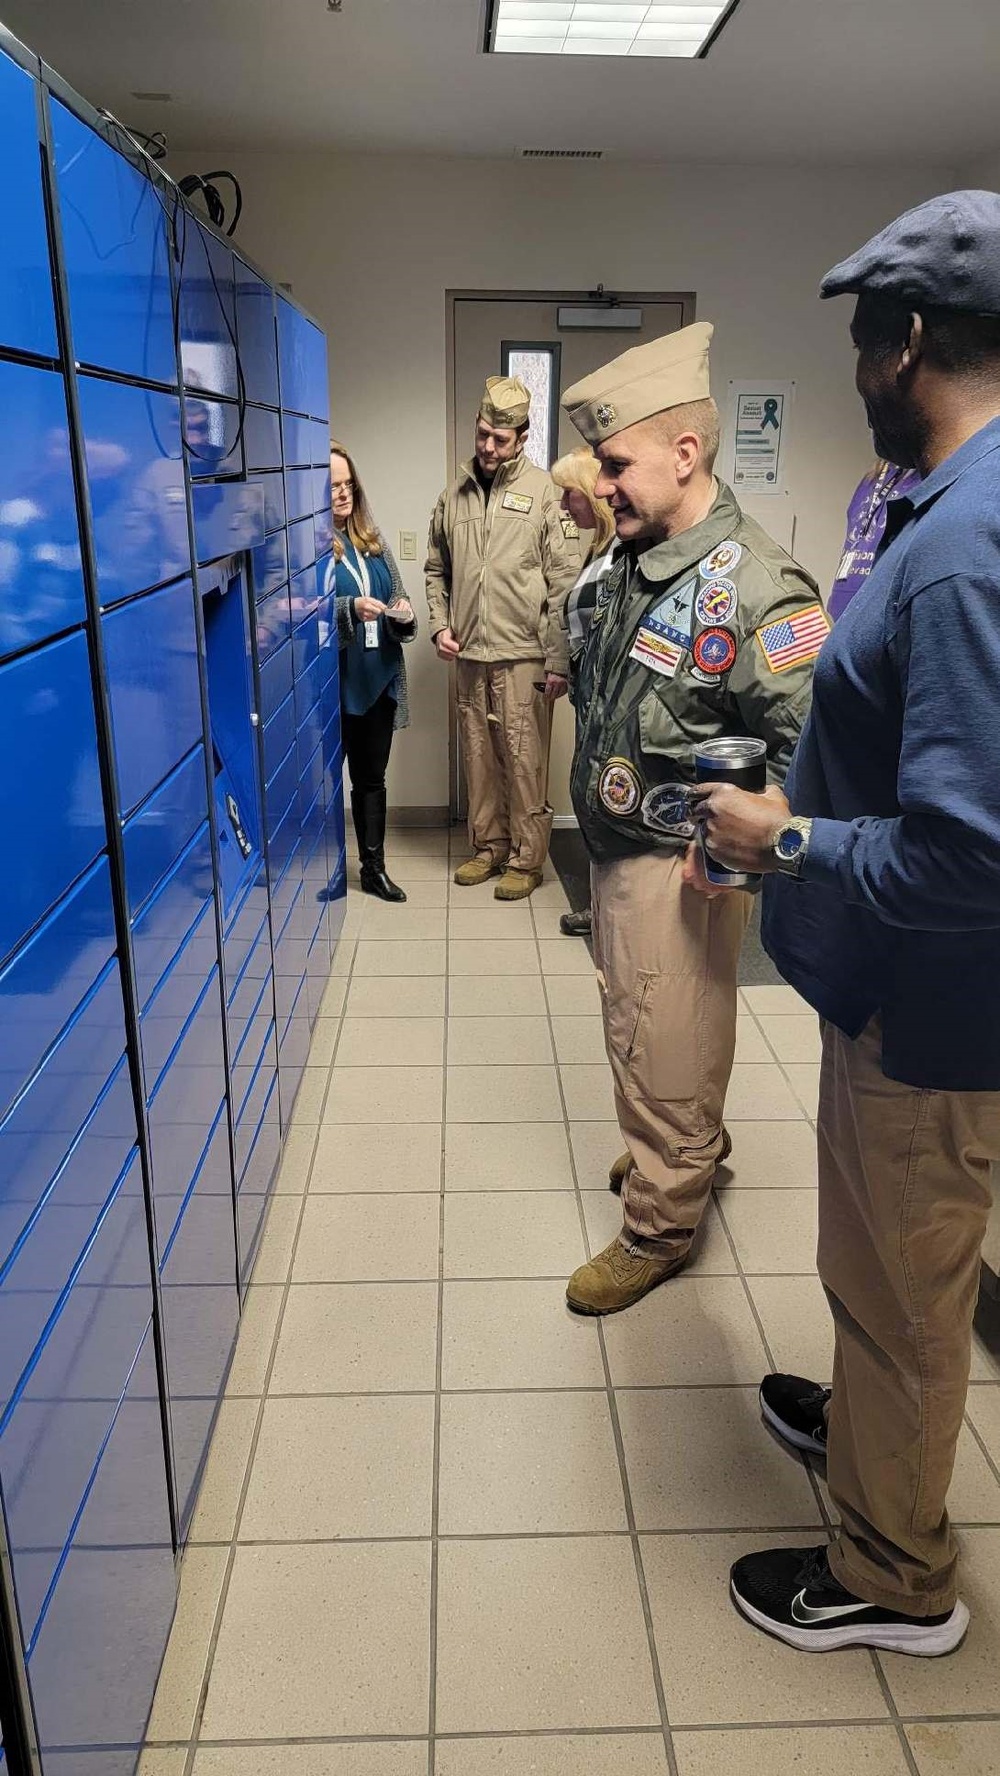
x,y
717,602
721,560
619,787
714,651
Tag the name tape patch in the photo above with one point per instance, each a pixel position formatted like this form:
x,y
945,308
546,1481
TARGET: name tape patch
x,y
518,502
657,651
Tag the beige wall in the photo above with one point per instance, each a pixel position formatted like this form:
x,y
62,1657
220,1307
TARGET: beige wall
x,y
371,244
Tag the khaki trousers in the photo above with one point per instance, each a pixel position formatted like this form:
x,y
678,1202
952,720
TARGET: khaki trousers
x,y
504,725
667,962
904,1183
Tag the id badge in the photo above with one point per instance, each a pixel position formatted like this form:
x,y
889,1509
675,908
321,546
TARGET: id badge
x,y
371,634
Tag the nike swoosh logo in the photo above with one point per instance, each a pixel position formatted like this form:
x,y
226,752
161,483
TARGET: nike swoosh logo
x,y
808,1617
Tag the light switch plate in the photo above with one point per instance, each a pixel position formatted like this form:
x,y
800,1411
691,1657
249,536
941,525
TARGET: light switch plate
x,y
407,545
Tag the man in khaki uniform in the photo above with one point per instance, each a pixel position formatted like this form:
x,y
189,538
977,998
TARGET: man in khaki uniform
x,y
707,629
501,559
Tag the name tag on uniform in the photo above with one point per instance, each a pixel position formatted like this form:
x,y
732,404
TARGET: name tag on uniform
x,y
655,650
517,502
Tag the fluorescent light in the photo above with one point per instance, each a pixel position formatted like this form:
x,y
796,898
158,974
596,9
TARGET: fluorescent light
x,y
532,27
619,15
632,28
600,28
508,44
597,46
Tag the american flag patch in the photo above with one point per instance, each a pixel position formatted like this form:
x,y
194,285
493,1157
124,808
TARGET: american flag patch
x,y
796,638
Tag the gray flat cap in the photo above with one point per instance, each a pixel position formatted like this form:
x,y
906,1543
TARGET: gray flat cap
x,y
946,254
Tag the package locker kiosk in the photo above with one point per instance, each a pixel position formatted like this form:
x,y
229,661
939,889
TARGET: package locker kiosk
x,y
173,881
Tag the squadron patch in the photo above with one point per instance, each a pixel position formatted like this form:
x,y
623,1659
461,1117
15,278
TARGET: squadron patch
x,y
569,529
714,651
619,787
717,602
667,809
672,616
518,502
722,559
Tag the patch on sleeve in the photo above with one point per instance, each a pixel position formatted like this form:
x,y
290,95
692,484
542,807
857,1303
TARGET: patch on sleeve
x,y
792,640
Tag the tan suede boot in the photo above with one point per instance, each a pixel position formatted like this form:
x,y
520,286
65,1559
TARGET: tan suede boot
x,y
616,1278
477,869
517,884
623,1165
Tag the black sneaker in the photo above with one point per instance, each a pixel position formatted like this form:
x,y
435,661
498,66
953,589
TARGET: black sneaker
x,y
796,1408
575,924
792,1594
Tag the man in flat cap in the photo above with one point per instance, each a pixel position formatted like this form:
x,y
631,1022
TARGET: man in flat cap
x,y
501,560
708,630
883,910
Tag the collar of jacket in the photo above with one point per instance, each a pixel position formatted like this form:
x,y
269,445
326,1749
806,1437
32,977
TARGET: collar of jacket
x,y
508,471
664,561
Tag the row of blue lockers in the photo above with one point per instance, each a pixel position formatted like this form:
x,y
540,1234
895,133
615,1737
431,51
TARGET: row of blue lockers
x,y
174,840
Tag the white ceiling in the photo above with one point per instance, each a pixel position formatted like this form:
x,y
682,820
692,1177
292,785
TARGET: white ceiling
x,y
799,81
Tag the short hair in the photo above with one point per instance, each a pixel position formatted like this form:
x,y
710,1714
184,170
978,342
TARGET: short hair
x,y
700,417
580,468
960,344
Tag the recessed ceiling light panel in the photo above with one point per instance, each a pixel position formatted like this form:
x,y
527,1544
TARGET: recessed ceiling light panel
x,y
682,28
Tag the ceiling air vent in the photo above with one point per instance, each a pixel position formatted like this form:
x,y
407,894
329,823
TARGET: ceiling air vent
x,y
559,154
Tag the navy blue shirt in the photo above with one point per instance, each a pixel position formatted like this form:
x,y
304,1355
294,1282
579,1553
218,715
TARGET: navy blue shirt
x,y
898,908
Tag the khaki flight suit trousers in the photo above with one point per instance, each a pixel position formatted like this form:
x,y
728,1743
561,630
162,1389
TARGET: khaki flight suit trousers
x,y
904,1199
504,725
667,961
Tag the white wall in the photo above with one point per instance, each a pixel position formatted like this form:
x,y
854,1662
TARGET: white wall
x,y
371,244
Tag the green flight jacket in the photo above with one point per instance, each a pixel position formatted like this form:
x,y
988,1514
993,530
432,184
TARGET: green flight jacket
x,y
714,632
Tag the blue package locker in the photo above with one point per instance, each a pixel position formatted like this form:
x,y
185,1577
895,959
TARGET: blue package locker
x,y
173,833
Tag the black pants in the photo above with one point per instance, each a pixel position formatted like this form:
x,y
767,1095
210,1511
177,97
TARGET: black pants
x,y
367,743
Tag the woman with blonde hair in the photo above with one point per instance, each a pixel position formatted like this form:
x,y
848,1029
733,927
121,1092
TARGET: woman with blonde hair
x,y
576,474
373,617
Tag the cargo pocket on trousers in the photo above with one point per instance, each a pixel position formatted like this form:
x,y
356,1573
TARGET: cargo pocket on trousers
x,y
663,1054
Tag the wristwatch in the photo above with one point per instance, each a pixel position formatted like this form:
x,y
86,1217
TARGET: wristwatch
x,y
790,846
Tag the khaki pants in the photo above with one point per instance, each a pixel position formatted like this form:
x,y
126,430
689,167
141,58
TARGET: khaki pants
x,y
667,961
504,725
904,1182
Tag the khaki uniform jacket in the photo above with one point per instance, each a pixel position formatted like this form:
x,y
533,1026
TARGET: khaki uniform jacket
x,y
498,572
733,625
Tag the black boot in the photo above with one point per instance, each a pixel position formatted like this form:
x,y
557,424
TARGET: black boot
x,y
368,809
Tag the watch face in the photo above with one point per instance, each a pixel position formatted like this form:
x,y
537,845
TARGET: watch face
x,y
790,844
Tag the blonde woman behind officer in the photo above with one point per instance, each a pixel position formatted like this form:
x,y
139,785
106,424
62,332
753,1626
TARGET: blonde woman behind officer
x,y
576,475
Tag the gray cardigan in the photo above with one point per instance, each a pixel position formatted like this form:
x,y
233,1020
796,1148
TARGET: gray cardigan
x,y
403,631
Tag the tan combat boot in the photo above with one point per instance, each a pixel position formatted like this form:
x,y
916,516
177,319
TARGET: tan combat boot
x,y
477,869
623,1165
517,884
617,1278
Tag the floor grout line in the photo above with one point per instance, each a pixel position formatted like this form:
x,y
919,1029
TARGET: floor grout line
x,y
633,1534
310,1137
234,1544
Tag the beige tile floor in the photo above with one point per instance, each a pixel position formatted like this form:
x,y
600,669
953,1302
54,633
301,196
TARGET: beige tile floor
x,y
446,1528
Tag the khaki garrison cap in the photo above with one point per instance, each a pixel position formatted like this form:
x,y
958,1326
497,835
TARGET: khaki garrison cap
x,y
648,379
505,401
